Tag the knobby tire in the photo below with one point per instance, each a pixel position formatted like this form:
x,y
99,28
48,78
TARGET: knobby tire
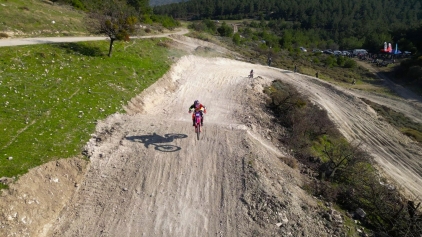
x,y
198,130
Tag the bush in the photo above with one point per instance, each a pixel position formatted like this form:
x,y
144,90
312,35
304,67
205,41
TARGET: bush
x,y
3,35
225,30
211,27
291,162
204,26
236,39
197,26
341,60
354,183
415,72
417,135
330,61
167,21
78,5
146,19
350,63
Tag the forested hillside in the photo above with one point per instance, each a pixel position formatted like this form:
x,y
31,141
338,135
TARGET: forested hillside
x,y
162,2
347,23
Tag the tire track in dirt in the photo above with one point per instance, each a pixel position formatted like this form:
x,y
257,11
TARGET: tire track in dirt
x,y
135,189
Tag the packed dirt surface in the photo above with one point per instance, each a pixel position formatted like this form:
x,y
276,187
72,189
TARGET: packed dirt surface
x,y
149,175
6,42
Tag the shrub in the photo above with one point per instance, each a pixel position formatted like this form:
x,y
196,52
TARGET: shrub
x,y
3,35
350,63
163,43
341,60
210,25
225,30
167,21
236,39
330,61
291,162
78,5
415,72
146,19
197,26
353,182
417,135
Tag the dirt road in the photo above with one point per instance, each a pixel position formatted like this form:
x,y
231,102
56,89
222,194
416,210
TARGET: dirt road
x,y
149,176
6,42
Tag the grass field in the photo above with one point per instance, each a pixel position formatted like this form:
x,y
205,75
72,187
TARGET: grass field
x,y
52,95
32,18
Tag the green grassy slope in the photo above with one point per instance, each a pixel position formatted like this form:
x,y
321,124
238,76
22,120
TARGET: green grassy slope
x,y
52,95
30,18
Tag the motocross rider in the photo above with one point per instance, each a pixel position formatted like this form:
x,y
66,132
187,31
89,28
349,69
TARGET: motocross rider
x,y
197,107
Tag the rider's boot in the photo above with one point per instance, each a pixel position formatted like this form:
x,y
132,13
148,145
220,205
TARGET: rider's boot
x,y
193,122
202,121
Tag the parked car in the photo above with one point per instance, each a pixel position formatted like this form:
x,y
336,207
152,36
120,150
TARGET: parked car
x,y
317,51
337,52
328,51
303,49
360,52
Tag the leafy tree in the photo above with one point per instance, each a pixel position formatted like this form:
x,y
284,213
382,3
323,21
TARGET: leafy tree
x,y
225,30
236,38
211,26
115,19
167,21
141,6
146,18
330,61
340,156
341,61
78,5
286,40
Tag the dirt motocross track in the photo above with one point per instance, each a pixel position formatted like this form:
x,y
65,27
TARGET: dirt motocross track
x,y
148,175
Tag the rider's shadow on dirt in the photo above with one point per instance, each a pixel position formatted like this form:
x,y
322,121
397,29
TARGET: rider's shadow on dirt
x,y
156,140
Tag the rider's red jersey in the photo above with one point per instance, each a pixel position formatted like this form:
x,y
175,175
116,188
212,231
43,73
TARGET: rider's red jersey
x,y
200,107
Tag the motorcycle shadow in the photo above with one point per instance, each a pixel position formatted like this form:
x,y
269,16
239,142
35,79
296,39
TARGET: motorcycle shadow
x,y
157,141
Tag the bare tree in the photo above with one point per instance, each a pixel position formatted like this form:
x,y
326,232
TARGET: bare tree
x,y
115,19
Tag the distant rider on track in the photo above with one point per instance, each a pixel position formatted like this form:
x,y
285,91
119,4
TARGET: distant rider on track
x,y
197,107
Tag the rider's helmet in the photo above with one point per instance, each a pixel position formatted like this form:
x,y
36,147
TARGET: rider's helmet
x,y
196,103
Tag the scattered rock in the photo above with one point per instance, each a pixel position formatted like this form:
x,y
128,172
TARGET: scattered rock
x,y
6,180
